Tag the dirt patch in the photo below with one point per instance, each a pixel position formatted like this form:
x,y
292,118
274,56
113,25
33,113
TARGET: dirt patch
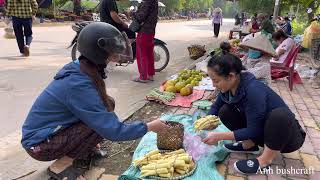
x,y
120,153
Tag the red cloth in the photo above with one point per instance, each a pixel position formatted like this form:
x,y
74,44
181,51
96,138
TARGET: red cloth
x,y
145,56
185,101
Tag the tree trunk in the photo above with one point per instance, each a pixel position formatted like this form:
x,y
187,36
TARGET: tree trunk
x,y
276,9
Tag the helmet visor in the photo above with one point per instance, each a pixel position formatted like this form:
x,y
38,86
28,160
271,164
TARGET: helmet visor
x,y
117,45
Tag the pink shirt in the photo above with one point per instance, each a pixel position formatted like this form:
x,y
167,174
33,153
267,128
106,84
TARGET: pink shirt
x,y
286,45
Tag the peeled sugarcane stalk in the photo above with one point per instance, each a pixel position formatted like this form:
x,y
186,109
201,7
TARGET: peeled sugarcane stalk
x,y
154,172
176,152
156,166
164,165
165,175
182,172
207,123
152,155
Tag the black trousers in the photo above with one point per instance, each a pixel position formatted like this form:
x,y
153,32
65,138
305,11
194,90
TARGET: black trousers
x,y
22,29
216,29
282,132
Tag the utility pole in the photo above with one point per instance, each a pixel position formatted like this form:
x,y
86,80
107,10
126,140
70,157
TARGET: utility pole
x,y
276,9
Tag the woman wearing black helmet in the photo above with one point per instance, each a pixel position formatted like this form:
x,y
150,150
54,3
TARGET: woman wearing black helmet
x,y
74,113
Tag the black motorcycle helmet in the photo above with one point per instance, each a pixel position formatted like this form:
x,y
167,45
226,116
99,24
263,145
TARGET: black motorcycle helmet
x,y
98,40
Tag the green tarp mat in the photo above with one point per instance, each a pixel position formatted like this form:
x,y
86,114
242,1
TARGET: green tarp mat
x,y
206,168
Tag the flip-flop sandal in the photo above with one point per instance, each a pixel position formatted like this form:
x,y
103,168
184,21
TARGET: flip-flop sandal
x,y
84,164
139,80
70,173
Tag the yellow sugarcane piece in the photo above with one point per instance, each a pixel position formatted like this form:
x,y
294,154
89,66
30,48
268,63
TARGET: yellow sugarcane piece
x,y
171,170
156,166
155,171
165,175
182,172
153,152
179,151
148,173
152,155
207,122
187,159
183,168
155,157
179,163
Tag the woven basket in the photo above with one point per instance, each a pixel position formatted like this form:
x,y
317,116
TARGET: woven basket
x,y
172,138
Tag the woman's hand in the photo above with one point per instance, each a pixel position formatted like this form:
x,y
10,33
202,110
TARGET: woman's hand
x,y
212,138
157,126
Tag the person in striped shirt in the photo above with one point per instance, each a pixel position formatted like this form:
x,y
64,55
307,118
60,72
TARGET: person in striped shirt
x,y
22,12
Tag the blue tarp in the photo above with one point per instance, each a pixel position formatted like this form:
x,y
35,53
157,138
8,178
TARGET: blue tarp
x,y
206,167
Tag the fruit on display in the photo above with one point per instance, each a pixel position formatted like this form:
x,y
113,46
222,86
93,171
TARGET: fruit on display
x,y
180,85
186,91
209,122
166,165
235,42
172,89
185,82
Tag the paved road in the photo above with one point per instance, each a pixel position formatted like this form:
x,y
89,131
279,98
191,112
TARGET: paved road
x,y
22,79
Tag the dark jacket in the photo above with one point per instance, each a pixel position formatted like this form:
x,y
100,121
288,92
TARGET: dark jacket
x,y
147,15
256,100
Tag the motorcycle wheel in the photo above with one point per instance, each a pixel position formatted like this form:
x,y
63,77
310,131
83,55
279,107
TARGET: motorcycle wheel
x,y
74,52
161,56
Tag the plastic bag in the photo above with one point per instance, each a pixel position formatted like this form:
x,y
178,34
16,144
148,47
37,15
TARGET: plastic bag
x,y
305,71
195,147
9,32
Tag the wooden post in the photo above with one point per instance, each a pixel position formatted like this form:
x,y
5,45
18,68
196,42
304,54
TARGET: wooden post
x,y
276,9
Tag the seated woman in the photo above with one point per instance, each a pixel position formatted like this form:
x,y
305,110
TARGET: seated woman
x,y
254,113
285,43
74,113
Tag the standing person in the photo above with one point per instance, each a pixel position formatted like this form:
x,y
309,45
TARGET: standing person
x,y
265,23
243,18
22,12
217,21
255,24
237,19
145,19
109,13
2,8
255,114
287,28
74,113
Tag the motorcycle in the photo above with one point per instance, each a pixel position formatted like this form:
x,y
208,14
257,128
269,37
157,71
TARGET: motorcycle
x,y
161,52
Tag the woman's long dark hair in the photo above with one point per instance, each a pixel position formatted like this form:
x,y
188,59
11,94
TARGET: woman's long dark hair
x,y
92,71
